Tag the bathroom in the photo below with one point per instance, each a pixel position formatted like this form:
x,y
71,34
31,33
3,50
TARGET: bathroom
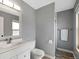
x,y
38,29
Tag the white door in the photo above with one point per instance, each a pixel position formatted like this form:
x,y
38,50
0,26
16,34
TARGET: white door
x,y
1,26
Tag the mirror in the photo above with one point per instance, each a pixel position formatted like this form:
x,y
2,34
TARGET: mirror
x,y
9,24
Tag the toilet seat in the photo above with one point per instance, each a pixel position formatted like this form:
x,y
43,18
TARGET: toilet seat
x,y
38,52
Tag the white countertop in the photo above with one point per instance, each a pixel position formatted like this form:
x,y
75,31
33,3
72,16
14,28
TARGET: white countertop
x,y
23,43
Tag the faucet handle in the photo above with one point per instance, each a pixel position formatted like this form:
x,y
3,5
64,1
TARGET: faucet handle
x,y
6,39
10,38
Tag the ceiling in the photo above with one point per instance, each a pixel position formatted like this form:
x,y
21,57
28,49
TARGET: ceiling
x,y
60,5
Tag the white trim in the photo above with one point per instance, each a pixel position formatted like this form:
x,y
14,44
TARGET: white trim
x,y
50,56
74,56
64,50
77,7
77,49
67,51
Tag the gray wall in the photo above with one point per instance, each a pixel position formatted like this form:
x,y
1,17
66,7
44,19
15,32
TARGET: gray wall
x,y
44,20
45,29
8,22
28,21
65,21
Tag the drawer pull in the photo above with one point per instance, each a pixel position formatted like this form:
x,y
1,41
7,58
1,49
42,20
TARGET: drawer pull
x,y
24,55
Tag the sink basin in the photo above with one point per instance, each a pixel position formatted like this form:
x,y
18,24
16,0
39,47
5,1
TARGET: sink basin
x,y
4,45
13,42
17,41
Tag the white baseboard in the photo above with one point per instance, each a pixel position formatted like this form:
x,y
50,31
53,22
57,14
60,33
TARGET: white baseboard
x,y
67,51
64,50
50,56
74,56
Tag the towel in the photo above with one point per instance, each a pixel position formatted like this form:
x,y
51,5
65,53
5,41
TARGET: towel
x,y
64,34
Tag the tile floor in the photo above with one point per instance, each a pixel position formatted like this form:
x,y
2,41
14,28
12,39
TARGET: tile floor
x,y
45,57
63,55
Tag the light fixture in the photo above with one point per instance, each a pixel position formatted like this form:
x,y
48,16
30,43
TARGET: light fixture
x,y
16,7
0,1
8,3
11,4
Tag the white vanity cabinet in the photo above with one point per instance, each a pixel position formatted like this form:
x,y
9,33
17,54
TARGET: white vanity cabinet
x,y
25,55
19,52
14,57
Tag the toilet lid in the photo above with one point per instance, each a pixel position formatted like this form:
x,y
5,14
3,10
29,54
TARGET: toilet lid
x,y
38,52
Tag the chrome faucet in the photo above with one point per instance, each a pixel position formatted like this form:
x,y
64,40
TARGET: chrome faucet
x,y
8,40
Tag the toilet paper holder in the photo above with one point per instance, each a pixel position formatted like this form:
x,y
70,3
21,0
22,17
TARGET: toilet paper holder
x,y
50,41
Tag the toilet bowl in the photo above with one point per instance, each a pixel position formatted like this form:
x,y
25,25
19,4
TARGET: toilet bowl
x,y
37,53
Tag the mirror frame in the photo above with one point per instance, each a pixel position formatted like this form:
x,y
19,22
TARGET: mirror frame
x,y
5,8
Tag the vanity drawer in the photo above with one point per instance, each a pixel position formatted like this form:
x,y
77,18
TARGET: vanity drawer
x,y
19,52
8,55
14,57
24,55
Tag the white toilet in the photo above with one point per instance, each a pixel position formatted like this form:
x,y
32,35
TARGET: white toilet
x,y
37,53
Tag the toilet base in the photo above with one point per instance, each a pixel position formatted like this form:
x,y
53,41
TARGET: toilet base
x,y
35,57
37,53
